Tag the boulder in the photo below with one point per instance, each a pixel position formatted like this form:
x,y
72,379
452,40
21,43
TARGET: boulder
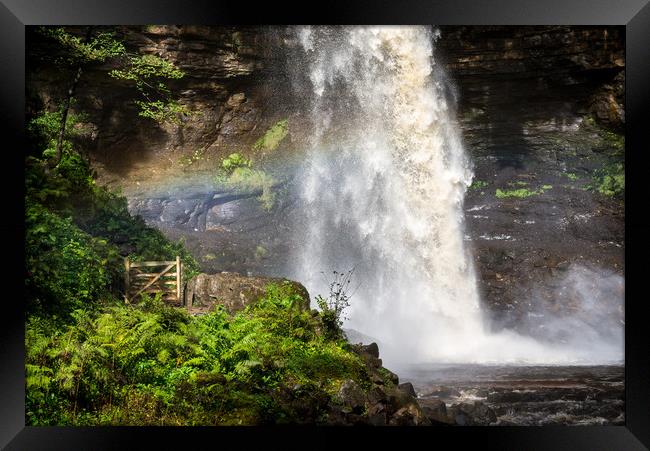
x,y
377,395
371,349
377,419
410,415
394,378
408,388
234,291
435,410
471,414
352,397
398,398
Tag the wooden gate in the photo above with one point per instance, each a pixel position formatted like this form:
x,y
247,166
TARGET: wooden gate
x,y
147,277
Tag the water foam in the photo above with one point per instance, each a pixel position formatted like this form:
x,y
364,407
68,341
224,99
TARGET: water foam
x,y
382,191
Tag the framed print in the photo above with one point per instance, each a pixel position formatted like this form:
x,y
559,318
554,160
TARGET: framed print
x,y
415,219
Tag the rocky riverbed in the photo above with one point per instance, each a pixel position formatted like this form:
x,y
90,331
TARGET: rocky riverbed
x,y
523,396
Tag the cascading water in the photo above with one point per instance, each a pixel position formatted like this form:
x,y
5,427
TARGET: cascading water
x,y
382,191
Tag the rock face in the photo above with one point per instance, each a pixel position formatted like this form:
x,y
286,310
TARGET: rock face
x,y
533,103
231,75
233,291
384,403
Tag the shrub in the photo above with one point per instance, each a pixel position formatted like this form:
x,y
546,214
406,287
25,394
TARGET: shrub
x,y
234,161
334,305
66,267
154,364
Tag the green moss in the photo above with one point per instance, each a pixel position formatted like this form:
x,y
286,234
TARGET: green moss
x,y
518,193
260,253
518,183
234,161
247,180
478,184
273,136
615,140
571,176
546,187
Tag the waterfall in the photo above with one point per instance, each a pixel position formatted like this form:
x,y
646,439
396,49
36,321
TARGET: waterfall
x,y
382,191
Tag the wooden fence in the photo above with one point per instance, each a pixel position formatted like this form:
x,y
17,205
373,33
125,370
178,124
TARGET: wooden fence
x,y
147,277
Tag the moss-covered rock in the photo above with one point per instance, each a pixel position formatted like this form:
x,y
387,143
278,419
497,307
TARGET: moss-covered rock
x,y
234,292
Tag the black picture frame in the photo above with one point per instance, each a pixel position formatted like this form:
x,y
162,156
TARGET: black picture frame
x,y
633,14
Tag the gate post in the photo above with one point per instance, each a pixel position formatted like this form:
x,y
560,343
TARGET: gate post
x,y
178,279
127,279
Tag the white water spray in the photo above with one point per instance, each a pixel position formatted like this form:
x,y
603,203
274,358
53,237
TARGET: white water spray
x,y
383,190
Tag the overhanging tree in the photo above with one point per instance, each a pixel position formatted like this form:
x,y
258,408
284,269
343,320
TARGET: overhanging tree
x,y
78,52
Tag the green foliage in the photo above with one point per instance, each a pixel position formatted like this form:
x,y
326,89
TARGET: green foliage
x,y
106,214
518,193
615,140
162,110
44,128
610,180
142,68
66,268
234,161
153,364
78,51
273,136
197,155
76,233
43,131
148,73
571,176
334,305
478,185
247,180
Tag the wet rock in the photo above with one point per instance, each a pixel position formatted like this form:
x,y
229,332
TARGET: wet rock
x,y
471,414
435,410
410,415
234,291
377,418
442,391
351,396
408,388
394,378
372,349
377,395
